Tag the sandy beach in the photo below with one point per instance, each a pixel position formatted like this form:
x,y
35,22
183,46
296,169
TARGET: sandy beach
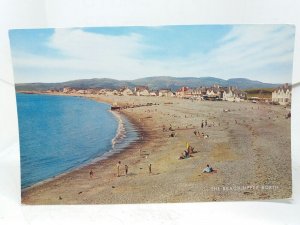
x,y
248,145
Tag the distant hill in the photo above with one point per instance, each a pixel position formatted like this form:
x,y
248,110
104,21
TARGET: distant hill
x,y
152,82
83,83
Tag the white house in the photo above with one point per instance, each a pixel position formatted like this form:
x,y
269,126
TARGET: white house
x,y
165,93
282,95
67,90
126,92
81,92
141,91
153,93
233,95
213,92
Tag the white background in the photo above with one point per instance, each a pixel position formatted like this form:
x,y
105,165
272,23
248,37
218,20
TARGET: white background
x,y
82,13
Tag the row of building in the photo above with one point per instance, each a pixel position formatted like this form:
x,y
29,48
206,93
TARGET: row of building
x,y
281,95
204,93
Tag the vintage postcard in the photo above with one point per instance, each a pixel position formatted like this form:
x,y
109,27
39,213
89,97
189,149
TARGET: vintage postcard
x,y
112,115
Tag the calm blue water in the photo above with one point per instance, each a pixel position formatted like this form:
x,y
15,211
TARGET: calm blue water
x,y
59,133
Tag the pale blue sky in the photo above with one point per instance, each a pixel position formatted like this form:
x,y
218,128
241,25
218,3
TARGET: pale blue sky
x,y
258,52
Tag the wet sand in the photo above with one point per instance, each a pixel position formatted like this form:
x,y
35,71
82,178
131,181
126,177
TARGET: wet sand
x,y
249,147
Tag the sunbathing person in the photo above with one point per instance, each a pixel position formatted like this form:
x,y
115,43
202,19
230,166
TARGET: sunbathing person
x,y
181,156
208,169
191,150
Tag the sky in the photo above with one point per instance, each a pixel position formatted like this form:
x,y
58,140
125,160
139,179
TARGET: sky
x,y
256,52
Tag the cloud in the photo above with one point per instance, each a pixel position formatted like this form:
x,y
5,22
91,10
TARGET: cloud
x,y
252,51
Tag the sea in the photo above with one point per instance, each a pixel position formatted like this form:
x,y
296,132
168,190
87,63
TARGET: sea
x,y
61,133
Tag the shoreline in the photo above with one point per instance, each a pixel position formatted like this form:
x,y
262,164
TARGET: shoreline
x,y
258,144
108,155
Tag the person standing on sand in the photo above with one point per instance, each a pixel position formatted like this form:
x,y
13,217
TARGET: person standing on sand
x,y
91,173
149,167
126,169
206,123
118,168
202,125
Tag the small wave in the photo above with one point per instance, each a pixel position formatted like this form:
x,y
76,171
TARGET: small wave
x,y
121,132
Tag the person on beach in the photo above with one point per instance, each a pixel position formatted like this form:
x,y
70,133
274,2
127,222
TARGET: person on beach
x,y
126,169
186,154
206,123
208,169
190,150
150,169
91,173
202,124
181,156
118,168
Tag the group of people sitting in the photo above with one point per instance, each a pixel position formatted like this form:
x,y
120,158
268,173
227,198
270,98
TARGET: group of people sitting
x,y
187,153
169,129
197,133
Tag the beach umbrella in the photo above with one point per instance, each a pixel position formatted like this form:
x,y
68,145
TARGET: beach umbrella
x,y
187,145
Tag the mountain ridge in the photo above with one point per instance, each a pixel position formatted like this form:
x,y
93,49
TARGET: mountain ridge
x,y
154,83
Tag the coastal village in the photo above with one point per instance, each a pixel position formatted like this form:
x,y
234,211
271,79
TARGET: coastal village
x,y
281,95
202,138
193,144
130,115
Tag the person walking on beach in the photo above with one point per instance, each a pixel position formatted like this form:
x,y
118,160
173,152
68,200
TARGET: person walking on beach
x,y
118,168
91,173
126,169
149,167
202,124
206,123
